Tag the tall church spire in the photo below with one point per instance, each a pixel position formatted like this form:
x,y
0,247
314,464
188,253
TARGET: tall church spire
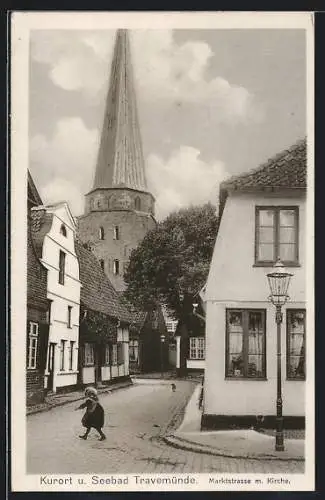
x,y
120,160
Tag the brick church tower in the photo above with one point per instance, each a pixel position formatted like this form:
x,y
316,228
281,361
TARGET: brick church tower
x,y
119,210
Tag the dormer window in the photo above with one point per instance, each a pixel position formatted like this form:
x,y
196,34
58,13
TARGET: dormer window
x,y
137,203
116,233
102,264
63,230
101,233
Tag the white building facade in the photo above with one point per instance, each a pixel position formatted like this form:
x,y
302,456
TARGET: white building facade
x,y
55,235
263,217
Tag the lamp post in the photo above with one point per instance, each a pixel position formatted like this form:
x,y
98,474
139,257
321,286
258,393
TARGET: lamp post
x,y
279,280
162,341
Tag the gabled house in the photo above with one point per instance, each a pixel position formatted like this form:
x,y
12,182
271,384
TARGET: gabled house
x,y
53,232
104,325
149,341
262,216
37,310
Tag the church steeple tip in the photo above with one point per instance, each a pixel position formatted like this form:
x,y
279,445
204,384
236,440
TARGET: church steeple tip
x,y
120,160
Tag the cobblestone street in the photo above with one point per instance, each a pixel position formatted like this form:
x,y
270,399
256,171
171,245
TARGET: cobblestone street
x,y
136,418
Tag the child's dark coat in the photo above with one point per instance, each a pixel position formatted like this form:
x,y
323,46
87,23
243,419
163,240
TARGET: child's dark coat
x,y
94,416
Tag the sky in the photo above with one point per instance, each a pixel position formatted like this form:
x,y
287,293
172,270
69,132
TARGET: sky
x,y
212,103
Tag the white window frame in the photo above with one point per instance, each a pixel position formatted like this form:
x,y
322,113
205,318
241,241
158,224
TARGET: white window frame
x,y
197,348
32,345
89,354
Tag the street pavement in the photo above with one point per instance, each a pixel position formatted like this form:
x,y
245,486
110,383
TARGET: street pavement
x,y
136,419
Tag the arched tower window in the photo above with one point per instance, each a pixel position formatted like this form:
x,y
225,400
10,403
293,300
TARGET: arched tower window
x,y
137,203
63,230
116,233
102,264
101,233
116,268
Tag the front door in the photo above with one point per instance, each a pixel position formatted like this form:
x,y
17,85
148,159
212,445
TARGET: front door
x,y
50,366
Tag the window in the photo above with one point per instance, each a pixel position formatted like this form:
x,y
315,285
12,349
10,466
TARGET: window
x,y
69,316
102,264
276,235
61,267
89,354
32,345
116,266
63,230
62,355
101,233
245,343
197,348
114,354
71,355
137,203
107,355
134,350
120,353
116,233
296,338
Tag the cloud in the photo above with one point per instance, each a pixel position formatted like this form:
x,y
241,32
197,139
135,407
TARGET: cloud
x,y
183,179
65,163
164,69
62,190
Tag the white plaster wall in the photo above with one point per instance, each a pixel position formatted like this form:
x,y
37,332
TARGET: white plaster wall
x,y
115,371
234,282
106,373
62,296
195,364
88,374
247,397
232,273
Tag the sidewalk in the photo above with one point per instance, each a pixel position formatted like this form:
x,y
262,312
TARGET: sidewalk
x,y
55,400
245,443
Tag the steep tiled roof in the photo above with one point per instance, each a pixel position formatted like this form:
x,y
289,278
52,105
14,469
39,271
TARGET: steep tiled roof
x,y
97,292
32,193
286,170
137,317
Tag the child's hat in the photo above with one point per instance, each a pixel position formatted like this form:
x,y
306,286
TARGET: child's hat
x,y
91,392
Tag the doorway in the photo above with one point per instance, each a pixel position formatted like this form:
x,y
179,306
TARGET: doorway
x,y
50,366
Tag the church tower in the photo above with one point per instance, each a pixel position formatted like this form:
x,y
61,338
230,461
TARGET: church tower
x,y
119,210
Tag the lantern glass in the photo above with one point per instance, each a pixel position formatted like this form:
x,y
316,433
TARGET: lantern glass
x,y
279,281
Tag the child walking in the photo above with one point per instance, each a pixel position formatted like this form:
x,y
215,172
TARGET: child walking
x,y
94,415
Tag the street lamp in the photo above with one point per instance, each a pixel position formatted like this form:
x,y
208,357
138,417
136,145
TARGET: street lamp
x,y
279,280
162,341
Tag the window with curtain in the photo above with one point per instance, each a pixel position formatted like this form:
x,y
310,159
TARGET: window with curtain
x,y
197,348
245,343
296,339
71,355
120,353
114,354
134,350
89,358
32,345
62,355
276,235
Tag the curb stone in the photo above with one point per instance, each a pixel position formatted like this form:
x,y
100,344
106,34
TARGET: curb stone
x,y
49,406
183,444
